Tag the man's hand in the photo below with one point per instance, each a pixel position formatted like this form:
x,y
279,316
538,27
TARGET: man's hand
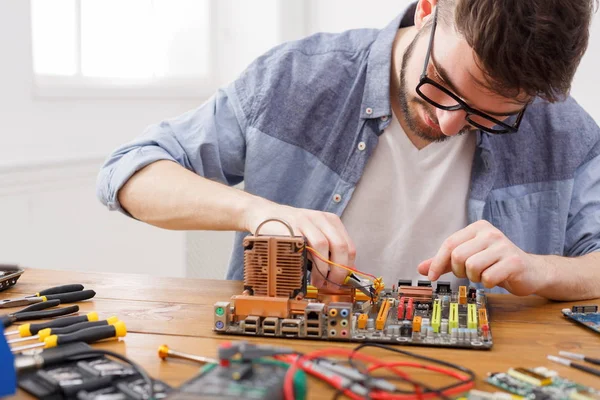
x,y
324,232
482,253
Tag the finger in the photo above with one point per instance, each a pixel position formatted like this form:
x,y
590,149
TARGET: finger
x,y
423,267
317,241
497,273
441,262
466,261
338,225
338,247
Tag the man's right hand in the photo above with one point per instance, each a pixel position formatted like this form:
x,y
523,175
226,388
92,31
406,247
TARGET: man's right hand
x,y
323,231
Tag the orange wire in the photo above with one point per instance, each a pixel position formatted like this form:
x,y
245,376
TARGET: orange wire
x,y
319,256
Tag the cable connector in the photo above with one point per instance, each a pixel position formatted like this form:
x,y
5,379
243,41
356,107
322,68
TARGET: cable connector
x,y
249,352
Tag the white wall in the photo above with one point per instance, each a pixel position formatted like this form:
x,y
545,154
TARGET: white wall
x,y
51,149
50,153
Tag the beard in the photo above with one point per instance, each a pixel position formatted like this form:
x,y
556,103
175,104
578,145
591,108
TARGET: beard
x,y
410,105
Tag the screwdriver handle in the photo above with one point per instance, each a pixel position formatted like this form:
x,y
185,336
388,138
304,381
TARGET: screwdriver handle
x,y
32,329
7,320
44,333
39,306
72,297
90,335
60,289
33,315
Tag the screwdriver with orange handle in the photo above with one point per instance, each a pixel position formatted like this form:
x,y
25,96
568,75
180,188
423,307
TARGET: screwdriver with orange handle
x,y
89,335
61,330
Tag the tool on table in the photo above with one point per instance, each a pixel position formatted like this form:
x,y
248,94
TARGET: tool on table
x,y
58,290
165,352
576,356
69,297
26,331
49,357
9,275
89,335
28,315
571,364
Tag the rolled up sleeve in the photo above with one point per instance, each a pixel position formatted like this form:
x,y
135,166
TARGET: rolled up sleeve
x,y
209,140
583,225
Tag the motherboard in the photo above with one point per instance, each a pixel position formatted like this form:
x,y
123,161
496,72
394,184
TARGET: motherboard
x,y
278,302
587,316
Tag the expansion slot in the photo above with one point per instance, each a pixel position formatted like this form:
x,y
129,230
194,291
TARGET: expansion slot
x,y
453,317
383,314
472,316
436,316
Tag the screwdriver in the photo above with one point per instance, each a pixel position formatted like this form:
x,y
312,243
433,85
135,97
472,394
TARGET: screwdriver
x,y
164,352
27,330
89,335
576,356
44,333
8,320
72,297
58,289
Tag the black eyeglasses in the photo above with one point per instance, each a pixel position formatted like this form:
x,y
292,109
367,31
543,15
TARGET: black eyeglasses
x,y
442,98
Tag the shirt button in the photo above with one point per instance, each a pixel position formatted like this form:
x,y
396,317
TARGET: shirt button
x,y
369,110
384,118
337,197
362,146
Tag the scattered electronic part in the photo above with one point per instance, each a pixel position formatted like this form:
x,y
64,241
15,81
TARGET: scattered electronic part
x,y
586,315
9,275
278,302
541,383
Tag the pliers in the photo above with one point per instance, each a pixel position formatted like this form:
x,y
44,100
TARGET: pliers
x,y
66,294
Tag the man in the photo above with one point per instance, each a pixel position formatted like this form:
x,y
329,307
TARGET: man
x,y
445,143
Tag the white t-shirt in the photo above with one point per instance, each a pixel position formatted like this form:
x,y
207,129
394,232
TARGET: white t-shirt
x,y
408,202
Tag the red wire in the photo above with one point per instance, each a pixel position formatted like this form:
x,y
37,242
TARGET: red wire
x,y
378,395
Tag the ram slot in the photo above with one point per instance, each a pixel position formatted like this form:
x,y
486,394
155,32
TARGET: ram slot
x,y
436,316
383,314
472,316
453,317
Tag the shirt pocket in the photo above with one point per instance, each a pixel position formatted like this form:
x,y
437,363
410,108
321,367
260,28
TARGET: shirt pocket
x,y
530,221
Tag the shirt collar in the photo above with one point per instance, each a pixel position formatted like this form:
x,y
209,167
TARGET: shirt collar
x,y
376,97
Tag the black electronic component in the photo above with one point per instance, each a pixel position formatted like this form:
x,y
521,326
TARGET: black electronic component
x,y
404,282
443,287
585,309
424,283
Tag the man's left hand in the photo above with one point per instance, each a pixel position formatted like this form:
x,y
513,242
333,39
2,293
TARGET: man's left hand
x,y
482,253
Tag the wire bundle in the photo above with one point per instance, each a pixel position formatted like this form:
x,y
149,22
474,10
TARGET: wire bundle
x,y
420,390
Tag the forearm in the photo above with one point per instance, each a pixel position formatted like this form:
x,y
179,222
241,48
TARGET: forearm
x,y
169,196
568,278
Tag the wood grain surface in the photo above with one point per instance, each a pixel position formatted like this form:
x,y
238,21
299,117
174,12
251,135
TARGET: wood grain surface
x,y
178,312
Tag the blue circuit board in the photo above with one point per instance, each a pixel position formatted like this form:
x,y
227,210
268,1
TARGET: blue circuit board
x,y
588,316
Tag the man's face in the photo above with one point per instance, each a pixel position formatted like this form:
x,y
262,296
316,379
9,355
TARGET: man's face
x,y
453,65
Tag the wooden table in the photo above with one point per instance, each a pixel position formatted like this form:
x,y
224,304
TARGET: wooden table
x,y
179,312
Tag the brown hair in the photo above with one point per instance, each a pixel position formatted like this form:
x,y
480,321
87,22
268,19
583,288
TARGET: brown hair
x,y
530,46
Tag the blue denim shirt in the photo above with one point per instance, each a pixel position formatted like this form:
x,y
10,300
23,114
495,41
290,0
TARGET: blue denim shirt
x,y
289,128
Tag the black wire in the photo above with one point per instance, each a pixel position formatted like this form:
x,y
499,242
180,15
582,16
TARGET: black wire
x,y
135,366
438,391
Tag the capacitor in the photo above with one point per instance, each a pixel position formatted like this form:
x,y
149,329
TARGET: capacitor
x,y
461,334
393,330
430,331
444,326
354,322
454,333
480,296
473,334
370,324
424,325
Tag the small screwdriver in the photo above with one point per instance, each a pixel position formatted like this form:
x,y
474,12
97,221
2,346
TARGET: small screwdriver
x,y
576,356
44,333
8,320
89,335
164,352
31,329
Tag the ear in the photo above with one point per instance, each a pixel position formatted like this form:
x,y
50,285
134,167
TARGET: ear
x,y
424,12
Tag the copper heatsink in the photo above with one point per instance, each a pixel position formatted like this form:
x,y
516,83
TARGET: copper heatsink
x,y
275,266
